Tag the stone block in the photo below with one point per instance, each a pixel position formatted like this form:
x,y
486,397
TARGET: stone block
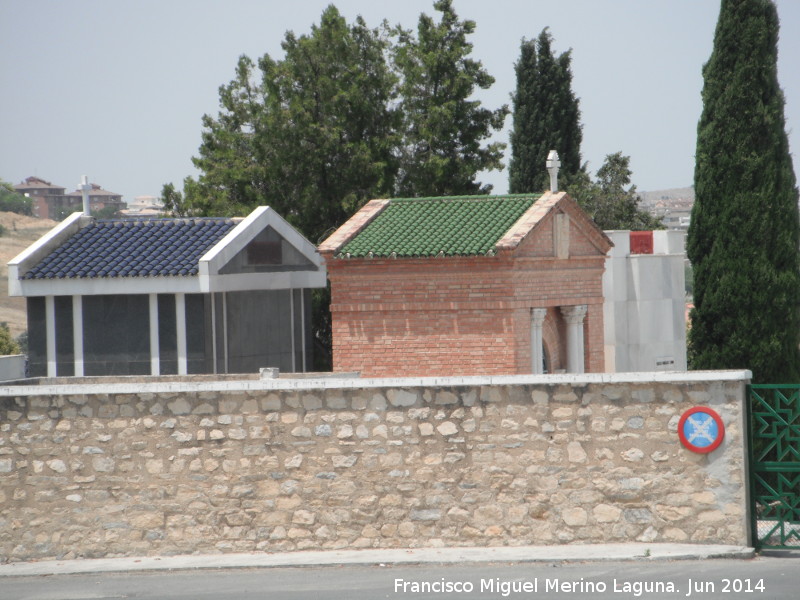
x,y
606,513
400,398
637,515
575,516
576,453
446,398
301,432
180,406
336,402
147,520
237,433
344,462
311,402
57,465
447,428
427,514
632,455
303,517
103,464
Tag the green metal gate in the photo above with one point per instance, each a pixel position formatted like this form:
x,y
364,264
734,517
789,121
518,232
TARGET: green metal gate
x,y
774,418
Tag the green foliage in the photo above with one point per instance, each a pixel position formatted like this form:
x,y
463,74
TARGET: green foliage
x,y
688,275
22,341
62,213
311,135
7,343
546,117
608,201
107,212
745,228
444,128
173,201
13,201
348,114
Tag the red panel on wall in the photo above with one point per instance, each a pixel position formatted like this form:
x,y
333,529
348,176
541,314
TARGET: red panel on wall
x,y
641,242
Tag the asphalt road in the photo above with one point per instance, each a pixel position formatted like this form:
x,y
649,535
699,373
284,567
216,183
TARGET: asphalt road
x,y
766,577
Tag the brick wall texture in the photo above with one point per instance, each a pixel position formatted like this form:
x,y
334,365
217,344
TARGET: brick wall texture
x,y
104,475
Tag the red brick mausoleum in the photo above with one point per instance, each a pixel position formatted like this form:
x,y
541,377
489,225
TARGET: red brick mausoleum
x,y
472,285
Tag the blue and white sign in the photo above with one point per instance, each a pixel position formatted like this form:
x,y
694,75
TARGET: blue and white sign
x,y
701,430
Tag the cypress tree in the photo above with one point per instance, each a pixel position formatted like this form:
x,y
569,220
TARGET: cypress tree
x,y
546,116
745,229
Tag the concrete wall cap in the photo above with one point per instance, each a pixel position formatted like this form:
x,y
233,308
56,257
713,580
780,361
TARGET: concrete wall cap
x,y
358,383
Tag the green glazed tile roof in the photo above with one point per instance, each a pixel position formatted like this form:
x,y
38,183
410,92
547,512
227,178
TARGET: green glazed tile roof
x,y
427,227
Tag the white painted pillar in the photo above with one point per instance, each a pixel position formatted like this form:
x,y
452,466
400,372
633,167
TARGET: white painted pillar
x,y
225,330
537,348
180,327
574,316
50,326
291,318
155,351
303,329
213,333
77,334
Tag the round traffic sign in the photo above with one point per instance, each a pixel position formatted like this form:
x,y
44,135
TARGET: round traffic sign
x,y
701,429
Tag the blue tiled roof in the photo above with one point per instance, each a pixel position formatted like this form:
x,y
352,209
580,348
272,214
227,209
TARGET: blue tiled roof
x,y
133,248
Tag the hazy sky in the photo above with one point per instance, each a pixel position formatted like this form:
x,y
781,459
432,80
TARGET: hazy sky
x,y
116,89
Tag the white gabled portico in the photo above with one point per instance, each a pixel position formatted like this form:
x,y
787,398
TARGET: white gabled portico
x,y
258,268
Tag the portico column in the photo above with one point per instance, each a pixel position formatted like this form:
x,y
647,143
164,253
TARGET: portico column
x,y
77,334
537,349
155,350
50,328
574,316
180,327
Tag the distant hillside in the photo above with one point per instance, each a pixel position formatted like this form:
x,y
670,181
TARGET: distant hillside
x,y
20,232
671,196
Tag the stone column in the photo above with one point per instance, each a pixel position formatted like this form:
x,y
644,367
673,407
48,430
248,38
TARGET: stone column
x,y
537,349
574,316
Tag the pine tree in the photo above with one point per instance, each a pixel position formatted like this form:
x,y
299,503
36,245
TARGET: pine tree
x,y
444,127
546,117
312,134
611,201
745,229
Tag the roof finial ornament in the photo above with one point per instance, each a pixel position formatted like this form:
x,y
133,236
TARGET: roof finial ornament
x,y
85,188
552,167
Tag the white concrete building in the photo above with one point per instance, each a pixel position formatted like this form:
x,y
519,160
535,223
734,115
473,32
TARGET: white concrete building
x,y
168,296
644,308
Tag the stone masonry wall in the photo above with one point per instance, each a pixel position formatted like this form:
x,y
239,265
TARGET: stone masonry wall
x,y
106,471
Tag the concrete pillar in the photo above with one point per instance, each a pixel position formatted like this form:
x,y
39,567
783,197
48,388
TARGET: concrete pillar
x,y
537,348
225,331
77,334
50,327
291,318
155,351
303,329
180,322
574,316
213,333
